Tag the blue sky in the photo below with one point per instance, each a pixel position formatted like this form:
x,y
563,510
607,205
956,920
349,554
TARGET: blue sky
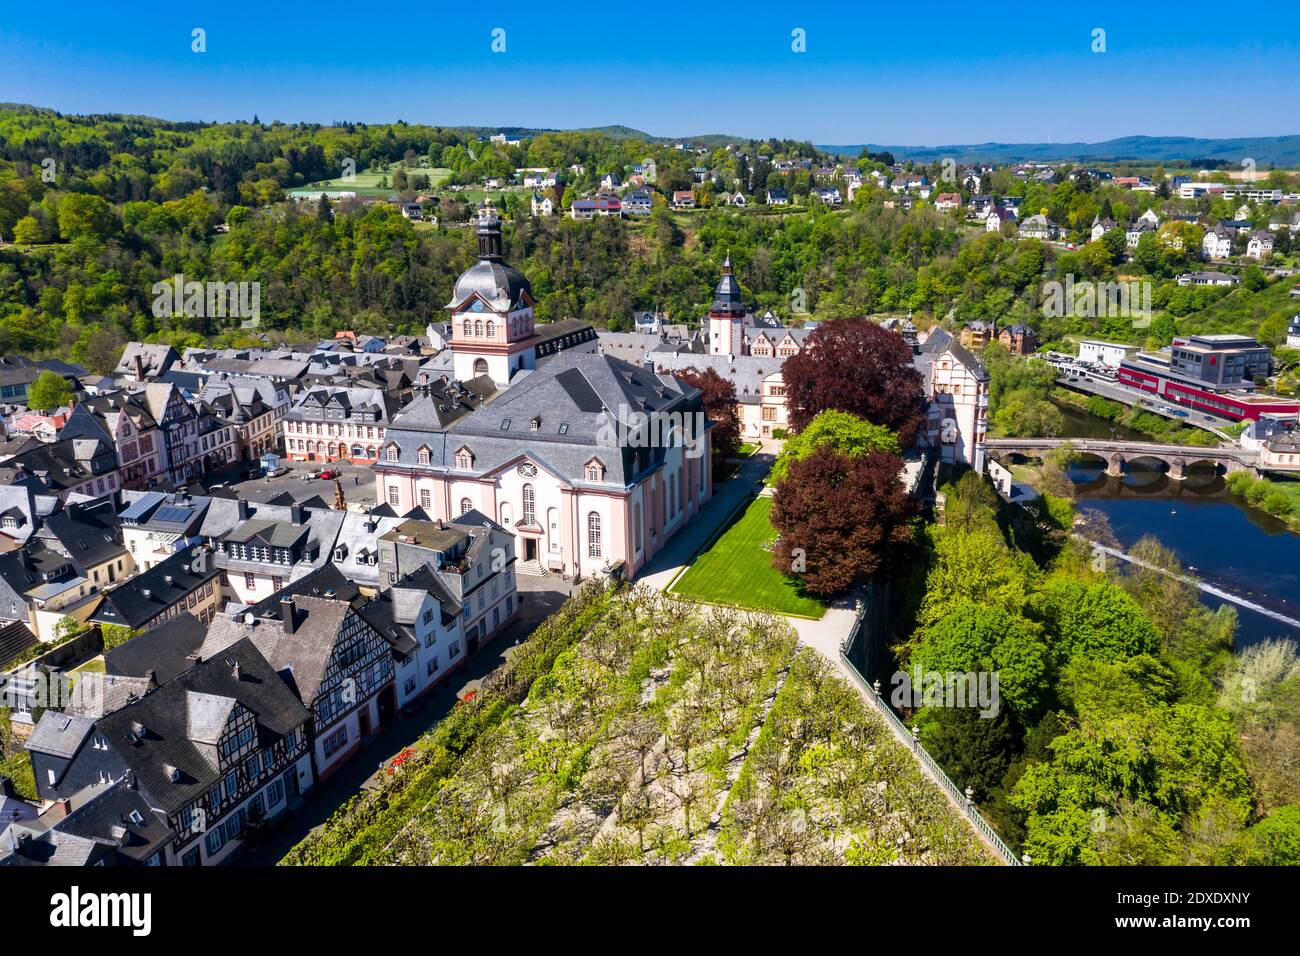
x,y
909,74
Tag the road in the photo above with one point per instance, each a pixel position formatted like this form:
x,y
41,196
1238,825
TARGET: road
x,y
1127,396
541,597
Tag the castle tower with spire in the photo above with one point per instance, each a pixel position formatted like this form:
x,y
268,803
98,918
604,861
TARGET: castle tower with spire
x,y
727,317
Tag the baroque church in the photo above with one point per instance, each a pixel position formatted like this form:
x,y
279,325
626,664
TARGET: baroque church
x,y
591,462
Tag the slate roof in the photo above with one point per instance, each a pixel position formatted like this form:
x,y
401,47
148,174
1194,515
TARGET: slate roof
x,y
302,656
15,638
89,533
574,398
97,695
356,540
155,359
117,814
168,650
746,372
165,715
60,735
939,341
138,600
48,848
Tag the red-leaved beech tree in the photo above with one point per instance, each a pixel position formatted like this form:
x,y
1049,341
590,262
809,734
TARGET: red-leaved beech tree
x,y
841,519
854,365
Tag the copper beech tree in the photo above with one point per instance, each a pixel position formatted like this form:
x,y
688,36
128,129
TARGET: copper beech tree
x,y
854,365
720,407
841,519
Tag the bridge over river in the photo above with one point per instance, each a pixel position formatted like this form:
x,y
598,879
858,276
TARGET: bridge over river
x,y
1117,453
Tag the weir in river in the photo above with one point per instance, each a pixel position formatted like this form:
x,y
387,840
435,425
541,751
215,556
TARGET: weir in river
x,y
1201,585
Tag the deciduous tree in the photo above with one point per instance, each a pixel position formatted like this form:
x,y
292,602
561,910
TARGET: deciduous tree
x,y
854,365
841,519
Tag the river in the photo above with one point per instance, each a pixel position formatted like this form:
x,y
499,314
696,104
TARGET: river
x,y
1216,535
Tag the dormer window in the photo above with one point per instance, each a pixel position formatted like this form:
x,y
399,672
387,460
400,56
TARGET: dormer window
x,y
464,458
535,423
423,455
595,470
391,452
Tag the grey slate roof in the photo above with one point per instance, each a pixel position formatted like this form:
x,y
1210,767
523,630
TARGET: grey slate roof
x,y
575,399
60,735
168,650
117,814
303,655
138,600
165,716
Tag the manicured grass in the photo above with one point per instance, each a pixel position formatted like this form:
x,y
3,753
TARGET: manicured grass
x,y
737,570
747,448
366,182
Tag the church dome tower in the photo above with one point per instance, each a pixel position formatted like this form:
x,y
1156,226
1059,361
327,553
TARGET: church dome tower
x,y
491,311
727,317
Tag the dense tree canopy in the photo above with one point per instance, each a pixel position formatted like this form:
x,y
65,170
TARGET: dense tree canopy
x,y
841,519
839,431
854,365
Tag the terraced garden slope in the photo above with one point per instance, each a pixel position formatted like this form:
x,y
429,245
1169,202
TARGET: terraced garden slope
x,y
654,731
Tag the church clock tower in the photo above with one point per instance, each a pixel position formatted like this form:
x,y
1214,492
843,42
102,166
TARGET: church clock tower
x,y
491,312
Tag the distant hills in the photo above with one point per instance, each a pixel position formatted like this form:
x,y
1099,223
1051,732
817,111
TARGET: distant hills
x,y
1265,150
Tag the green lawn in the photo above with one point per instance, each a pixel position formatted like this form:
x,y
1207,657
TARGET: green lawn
x,y
366,182
737,570
747,448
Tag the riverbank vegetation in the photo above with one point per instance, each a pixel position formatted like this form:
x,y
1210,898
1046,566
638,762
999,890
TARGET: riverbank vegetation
x,y
1280,497
1121,735
643,729
1155,427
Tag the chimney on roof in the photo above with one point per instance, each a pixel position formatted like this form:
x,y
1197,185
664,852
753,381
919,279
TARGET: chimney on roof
x,y
147,593
288,614
234,670
129,776
295,514
243,510
138,362
152,677
63,806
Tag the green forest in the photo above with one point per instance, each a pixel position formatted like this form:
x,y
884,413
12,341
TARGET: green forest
x,y
94,210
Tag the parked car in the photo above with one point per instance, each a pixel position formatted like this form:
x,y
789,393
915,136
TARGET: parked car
x,y
328,473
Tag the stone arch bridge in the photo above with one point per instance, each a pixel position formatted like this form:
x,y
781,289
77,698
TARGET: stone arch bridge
x,y
1117,453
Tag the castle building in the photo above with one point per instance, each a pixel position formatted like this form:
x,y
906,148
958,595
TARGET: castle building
x,y
746,349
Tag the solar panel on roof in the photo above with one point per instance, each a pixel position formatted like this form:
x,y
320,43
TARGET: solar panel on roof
x,y
175,515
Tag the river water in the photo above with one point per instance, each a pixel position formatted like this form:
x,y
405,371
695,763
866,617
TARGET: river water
x,y
1216,535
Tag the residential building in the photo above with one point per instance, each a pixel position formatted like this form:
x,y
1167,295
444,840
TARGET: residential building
x,y
330,423
218,749
124,422
342,668
271,545
141,362
472,561
1019,339
188,582
957,386
1259,245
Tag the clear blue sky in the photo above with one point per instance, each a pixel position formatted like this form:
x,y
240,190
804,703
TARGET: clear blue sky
x,y
895,73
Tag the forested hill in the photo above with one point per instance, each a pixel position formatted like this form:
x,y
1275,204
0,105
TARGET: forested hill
x,y
1266,151
95,210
